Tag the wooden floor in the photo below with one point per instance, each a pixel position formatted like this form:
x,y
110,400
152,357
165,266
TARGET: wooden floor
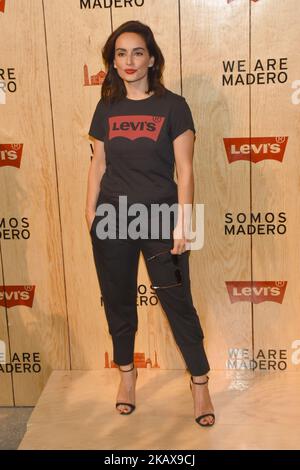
x,y
254,410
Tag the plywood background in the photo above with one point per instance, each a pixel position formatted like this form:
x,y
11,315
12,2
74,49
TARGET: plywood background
x,y
52,46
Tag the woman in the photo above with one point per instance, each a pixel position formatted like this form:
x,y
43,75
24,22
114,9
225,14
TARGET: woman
x,y
141,129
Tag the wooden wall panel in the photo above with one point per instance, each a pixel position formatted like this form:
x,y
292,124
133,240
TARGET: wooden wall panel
x,y
275,34
71,45
212,32
31,192
50,114
6,395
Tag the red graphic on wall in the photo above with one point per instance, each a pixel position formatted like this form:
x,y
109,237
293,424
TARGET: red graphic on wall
x,y
134,126
10,296
138,360
256,291
2,5
255,149
10,154
95,79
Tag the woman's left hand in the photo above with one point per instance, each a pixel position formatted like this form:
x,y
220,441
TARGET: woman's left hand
x,y
179,242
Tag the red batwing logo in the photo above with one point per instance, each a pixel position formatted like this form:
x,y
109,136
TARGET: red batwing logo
x,y
10,296
135,126
255,149
256,291
10,155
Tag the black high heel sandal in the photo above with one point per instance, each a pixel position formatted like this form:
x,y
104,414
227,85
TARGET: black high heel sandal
x,y
198,419
132,407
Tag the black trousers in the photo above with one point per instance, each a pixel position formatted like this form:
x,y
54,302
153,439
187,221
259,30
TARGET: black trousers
x,y
116,261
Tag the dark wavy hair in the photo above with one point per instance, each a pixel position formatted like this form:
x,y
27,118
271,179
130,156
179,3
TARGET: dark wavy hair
x,y
113,88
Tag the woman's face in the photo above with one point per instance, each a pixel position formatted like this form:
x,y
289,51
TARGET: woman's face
x,y
132,58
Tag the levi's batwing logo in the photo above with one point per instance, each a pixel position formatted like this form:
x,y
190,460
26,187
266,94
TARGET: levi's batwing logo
x,y
134,126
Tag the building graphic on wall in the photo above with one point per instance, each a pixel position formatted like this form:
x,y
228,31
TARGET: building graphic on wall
x,y
139,361
2,5
94,79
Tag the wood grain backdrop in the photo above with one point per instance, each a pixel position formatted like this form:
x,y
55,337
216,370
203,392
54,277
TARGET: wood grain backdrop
x,y
54,48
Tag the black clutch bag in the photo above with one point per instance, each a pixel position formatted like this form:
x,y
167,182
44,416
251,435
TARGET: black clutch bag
x,y
164,270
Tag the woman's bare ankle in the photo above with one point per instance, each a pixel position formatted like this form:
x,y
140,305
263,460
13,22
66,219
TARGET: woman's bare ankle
x,y
127,367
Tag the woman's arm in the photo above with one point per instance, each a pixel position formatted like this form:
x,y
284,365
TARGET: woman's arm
x,y
184,151
96,171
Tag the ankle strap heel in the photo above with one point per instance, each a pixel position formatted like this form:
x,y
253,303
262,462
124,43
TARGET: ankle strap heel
x,y
130,405
128,370
206,415
200,383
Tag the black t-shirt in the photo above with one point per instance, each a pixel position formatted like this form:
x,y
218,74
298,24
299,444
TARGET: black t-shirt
x,y
138,142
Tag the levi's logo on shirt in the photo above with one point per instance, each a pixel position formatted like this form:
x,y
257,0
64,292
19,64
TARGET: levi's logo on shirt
x,y
134,126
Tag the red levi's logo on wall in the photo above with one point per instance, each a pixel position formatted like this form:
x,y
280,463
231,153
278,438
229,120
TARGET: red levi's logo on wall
x,y
2,5
10,154
10,296
260,148
132,127
256,291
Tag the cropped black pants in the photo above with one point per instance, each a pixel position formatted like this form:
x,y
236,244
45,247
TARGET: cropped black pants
x,y
116,262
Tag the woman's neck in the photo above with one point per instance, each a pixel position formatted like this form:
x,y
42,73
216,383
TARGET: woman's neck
x,y
135,94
